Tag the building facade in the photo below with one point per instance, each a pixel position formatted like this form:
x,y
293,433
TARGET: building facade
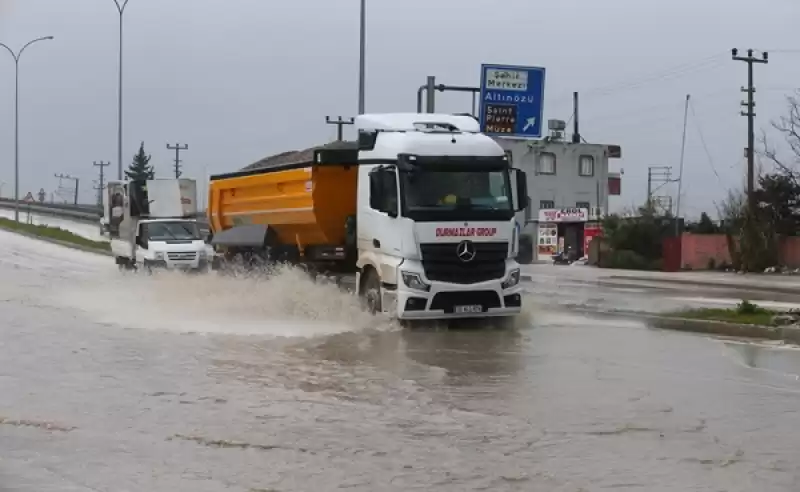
x,y
569,185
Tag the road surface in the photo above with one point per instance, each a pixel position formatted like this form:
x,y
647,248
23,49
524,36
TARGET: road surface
x,y
164,383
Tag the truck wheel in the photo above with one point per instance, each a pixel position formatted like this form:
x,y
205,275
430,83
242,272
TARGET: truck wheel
x,y
371,292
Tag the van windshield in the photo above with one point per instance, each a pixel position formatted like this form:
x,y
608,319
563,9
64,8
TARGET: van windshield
x,y
170,231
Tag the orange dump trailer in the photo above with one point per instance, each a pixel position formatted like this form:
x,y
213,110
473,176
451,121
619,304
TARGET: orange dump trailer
x,y
304,202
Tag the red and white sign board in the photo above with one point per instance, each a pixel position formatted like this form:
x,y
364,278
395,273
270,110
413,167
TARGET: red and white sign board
x,y
29,198
564,215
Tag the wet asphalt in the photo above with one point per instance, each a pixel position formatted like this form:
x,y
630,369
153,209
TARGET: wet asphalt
x,y
157,383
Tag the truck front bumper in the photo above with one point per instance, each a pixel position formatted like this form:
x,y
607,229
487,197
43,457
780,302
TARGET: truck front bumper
x,y
189,266
454,301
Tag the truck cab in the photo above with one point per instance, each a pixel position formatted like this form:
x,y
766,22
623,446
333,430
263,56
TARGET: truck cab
x,y
436,229
174,244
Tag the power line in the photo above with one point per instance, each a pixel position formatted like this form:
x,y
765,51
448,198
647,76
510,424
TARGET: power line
x,y
676,71
703,141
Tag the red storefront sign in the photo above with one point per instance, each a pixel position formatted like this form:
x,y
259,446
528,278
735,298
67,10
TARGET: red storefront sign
x,y
590,231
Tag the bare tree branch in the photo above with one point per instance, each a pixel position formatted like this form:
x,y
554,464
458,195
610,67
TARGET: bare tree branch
x,y
788,126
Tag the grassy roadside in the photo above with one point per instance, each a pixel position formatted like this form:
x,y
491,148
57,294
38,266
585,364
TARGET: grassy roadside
x,y
53,233
746,313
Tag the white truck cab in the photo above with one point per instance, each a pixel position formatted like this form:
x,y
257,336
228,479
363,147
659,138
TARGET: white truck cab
x,y
436,230
156,225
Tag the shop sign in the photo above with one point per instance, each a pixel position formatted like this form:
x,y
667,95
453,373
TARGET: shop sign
x,y
564,215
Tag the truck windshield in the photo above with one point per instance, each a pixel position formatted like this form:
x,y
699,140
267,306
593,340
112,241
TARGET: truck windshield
x,y
170,231
456,194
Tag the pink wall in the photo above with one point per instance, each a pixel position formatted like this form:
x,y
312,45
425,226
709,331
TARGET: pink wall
x,y
698,248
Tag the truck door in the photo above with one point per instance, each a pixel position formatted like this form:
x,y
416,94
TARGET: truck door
x,y
140,244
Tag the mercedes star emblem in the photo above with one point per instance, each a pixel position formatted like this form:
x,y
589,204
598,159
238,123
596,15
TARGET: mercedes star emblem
x,y
465,251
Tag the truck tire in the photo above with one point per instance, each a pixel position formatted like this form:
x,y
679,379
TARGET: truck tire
x,y
371,292
124,264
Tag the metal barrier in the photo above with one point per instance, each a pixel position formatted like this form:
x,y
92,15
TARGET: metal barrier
x,y
9,203
81,213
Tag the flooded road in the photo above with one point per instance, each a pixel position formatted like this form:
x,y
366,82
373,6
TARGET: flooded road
x,y
123,384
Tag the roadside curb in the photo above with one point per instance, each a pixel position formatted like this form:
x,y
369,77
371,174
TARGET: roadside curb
x,y
59,242
789,334
720,285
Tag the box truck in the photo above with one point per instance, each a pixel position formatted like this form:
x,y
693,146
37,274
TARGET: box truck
x,y
153,224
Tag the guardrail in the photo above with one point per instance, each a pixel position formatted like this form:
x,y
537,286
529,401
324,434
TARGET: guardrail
x,y
82,213
56,206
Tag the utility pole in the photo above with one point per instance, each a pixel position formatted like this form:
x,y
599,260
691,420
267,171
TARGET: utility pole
x,y
362,58
177,148
76,180
680,172
657,177
340,124
751,114
102,165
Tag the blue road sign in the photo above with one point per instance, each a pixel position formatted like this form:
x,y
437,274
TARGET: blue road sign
x,y
512,101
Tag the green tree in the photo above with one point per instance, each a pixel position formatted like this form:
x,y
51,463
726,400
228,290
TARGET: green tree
x,y
140,168
636,242
704,226
778,198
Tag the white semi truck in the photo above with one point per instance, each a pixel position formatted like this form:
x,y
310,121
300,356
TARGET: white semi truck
x,y
421,210
153,224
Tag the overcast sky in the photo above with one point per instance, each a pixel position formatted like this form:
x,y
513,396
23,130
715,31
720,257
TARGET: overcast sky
x,y
241,79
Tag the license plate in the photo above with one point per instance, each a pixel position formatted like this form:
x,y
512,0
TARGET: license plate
x,y
471,308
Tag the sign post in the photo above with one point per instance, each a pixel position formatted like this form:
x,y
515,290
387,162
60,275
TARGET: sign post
x,y
29,199
512,101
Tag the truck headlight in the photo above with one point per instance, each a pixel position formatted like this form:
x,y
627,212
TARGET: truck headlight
x,y
414,281
158,256
512,280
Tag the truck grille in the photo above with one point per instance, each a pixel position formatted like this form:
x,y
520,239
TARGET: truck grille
x,y
441,262
189,256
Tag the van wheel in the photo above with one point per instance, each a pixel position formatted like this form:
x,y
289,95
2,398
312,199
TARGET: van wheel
x,y
371,292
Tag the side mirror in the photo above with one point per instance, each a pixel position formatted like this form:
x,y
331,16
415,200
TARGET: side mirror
x,y
522,198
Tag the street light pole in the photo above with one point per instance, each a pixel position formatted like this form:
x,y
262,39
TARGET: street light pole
x,y
16,57
121,4
362,59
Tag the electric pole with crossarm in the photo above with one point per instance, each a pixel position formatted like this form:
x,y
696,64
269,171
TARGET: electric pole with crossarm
x,y
751,114
177,148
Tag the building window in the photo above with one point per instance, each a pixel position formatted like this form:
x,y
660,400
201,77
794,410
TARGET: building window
x,y
586,165
586,205
547,204
547,163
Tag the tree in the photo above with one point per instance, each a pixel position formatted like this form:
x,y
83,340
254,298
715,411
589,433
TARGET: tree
x,y
704,226
789,127
731,213
140,168
636,242
778,199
